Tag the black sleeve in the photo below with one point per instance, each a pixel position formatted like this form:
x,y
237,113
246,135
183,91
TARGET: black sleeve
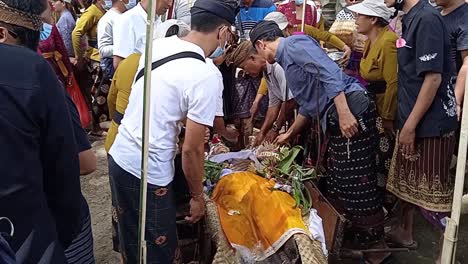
x,y
60,158
81,138
430,45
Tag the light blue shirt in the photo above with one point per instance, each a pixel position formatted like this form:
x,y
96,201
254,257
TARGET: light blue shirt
x,y
65,26
306,64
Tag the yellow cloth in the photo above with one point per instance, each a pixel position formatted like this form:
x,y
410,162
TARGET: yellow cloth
x,y
87,26
254,217
263,89
324,36
119,92
379,63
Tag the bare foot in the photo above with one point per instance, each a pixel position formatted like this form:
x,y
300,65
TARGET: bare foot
x,y
401,237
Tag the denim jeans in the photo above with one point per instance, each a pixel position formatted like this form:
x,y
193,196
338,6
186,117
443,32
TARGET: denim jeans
x,y
160,234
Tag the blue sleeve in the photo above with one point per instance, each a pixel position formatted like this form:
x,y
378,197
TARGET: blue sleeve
x,y
271,9
59,157
304,112
81,138
430,46
312,58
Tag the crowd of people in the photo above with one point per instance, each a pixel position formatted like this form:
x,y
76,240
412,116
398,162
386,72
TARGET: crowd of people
x,y
384,116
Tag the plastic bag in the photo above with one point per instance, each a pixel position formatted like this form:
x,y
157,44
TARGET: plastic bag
x,y
316,229
77,97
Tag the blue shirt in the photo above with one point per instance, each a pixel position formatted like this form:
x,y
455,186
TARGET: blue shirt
x,y
40,186
427,49
313,78
256,13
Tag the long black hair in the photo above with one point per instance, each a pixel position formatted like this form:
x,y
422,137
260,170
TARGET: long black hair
x,y
26,37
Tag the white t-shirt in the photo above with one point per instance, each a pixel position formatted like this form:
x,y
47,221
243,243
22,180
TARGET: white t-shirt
x,y
105,33
219,101
183,88
130,32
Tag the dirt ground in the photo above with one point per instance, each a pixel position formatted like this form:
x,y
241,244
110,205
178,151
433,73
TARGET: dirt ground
x,y
96,190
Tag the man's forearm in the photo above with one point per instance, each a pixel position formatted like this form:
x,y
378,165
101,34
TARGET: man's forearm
x,y
298,125
219,126
341,103
193,166
286,107
425,98
270,118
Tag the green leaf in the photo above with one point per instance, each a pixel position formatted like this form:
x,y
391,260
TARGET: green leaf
x,y
285,165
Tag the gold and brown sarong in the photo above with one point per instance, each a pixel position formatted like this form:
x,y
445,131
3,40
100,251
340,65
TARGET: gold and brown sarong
x,y
423,179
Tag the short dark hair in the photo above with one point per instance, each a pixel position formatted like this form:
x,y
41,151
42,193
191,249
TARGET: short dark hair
x,y
172,31
26,37
207,22
382,22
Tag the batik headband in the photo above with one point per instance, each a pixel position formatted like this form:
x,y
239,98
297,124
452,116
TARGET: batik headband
x,y
19,18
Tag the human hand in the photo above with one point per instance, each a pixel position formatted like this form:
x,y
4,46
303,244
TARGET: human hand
x,y
73,61
407,140
271,136
259,139
197,209
283,139
348,124
346,56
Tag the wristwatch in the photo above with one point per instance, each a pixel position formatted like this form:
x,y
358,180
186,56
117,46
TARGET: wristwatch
x,y
275,127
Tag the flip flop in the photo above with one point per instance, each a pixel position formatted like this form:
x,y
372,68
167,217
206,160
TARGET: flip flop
x,y
397,244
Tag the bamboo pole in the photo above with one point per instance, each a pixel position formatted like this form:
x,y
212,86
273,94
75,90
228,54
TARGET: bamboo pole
x,y
145,135
303,16
451,232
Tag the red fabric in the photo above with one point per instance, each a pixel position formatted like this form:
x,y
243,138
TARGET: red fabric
x,y
289,10
55,43
77,97
52,44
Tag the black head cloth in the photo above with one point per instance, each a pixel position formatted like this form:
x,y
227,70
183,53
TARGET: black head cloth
x,y
226,9
265,28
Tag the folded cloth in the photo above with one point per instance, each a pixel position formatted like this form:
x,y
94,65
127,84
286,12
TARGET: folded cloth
x,y
256,219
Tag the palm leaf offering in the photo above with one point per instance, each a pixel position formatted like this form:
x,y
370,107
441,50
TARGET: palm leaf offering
x,y
278,163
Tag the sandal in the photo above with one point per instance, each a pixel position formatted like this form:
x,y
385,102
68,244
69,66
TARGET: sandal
x,y
392,243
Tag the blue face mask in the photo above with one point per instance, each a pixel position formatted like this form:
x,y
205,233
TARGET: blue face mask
x,y
131,4
217,53
107,5
299,2
46,31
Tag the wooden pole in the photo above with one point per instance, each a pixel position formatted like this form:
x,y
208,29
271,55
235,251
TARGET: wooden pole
x,y
303,16
451,231
145,135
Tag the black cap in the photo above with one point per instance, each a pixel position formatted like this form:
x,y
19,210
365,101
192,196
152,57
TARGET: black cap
x,y
226,9
265,28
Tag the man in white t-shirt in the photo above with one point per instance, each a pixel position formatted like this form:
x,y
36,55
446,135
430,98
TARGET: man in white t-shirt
x,y
105,36
182,90
130,29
